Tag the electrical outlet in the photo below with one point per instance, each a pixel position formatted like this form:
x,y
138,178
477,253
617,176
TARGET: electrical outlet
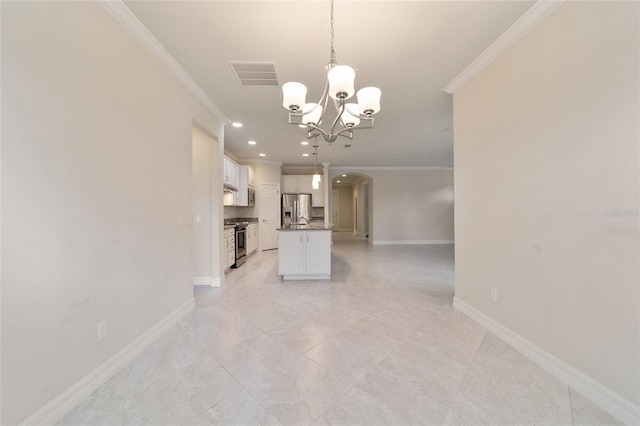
x,y
103,329
494,295
198,218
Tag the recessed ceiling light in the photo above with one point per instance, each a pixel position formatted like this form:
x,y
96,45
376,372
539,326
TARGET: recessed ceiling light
x,y
337,181
344,175
304,143
252,142
262,154
305,155
236,124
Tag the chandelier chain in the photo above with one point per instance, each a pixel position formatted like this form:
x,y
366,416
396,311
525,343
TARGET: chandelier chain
x,y
332,61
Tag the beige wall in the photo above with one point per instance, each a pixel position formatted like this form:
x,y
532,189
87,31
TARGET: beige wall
x,y
205,173
267,172
346,207
546,144
96,172
409,205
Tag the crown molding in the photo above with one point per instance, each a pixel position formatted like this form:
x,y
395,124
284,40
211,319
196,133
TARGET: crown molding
x,y
407,168
132,24
261,161
522,26
300,167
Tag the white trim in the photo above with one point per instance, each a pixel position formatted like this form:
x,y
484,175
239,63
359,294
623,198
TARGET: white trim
x,y
410,242
58,407
305,277
132,24
216,282
262,161
536,13
202,281
365,168
616,405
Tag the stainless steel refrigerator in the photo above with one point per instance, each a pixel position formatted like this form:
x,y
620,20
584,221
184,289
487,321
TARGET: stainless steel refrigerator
x,y
296,208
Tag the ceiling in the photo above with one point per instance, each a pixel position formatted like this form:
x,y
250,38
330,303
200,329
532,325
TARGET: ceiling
x,y
410,50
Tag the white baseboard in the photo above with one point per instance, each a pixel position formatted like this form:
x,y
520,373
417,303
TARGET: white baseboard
x,y
208,281
411,242
202,281
616,405
58,407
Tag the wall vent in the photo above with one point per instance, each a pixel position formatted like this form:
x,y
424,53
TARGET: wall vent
x,y
255,73
348,145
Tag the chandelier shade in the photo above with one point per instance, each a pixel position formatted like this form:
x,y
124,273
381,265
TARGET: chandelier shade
x,y
339,86
341,79
312,114
350,115
294,95
369,100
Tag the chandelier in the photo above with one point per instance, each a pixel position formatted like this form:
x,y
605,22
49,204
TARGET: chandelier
x,y
339,86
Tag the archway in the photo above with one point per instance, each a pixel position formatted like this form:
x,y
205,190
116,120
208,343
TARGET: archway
x,y
350,204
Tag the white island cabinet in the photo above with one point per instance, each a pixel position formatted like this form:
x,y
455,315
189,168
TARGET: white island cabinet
x,y
304,254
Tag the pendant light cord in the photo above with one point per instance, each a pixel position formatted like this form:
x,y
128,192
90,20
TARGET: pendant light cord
x,y
315,154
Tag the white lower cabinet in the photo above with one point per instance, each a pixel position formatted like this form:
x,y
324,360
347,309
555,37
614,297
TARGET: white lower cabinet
x,y
304,254
230,244
252,238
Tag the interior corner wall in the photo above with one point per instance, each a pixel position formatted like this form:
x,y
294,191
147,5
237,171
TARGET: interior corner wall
x,y
96,178
547,190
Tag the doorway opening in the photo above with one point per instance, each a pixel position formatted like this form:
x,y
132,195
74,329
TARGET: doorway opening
x,y
351,205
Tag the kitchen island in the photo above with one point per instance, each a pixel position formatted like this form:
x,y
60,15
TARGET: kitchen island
x,y
304,252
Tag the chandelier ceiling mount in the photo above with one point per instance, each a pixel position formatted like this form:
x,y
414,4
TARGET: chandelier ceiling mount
x,y
339,86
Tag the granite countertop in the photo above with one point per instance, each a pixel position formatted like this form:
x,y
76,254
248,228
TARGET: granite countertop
x,y
231,222
311,227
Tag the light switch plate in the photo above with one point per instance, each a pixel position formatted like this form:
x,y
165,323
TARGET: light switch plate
x,y
103,329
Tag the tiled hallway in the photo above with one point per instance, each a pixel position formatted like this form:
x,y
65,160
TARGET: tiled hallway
x,y
378,344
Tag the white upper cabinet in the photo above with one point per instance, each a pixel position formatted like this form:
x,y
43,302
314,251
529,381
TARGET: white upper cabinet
x,y
296,184
289,184
251,178
317,195
240,179
246,176
302,184
231,171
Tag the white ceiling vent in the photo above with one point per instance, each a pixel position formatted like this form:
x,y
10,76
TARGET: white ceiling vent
x,y
255,73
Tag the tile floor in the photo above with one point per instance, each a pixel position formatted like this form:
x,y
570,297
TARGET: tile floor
x,y
378,344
